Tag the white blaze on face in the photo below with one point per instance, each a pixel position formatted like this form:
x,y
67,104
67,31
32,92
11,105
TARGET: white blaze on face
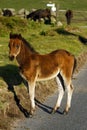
x,y
14,49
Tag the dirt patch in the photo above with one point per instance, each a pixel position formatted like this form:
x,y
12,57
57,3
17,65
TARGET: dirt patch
x,y
14,102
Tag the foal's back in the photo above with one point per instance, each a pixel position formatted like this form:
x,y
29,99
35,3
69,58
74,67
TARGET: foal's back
x,y
59,61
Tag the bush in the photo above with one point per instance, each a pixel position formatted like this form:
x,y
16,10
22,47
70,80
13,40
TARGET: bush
x,y
12,24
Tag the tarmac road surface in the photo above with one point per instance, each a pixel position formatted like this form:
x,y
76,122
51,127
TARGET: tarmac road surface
x,y
76,119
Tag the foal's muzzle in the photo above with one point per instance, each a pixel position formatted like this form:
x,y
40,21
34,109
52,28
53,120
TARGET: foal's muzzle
x,y
11,58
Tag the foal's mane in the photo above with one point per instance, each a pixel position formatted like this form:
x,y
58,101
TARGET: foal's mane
x,y
14,36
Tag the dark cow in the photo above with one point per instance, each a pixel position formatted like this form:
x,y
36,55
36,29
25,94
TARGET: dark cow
x,y
40,13
69,15
7,12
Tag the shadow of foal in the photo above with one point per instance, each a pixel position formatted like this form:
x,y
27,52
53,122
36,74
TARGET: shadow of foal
x,y
10,75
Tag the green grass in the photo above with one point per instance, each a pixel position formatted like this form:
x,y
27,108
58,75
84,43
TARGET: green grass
x,y
29,4
44,38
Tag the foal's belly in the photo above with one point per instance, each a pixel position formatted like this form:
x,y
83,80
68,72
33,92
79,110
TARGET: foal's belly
x,y
43,78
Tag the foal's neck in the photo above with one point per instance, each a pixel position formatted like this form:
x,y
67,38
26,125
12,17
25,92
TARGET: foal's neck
x,y
23,56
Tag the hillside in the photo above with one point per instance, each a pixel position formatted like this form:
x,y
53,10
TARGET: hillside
x,y
29,4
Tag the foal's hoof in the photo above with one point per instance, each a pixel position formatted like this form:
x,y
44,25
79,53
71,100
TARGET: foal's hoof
x,y
30,115
65,112
53,111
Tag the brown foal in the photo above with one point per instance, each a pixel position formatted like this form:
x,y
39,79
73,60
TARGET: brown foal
x,y
36,67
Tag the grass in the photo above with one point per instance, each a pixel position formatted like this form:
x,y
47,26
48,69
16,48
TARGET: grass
x,y
29,4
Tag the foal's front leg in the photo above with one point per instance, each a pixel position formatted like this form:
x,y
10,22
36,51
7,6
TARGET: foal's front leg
x,y
32,95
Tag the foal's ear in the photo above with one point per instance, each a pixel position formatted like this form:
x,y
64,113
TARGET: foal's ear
x,y
19,36
10,35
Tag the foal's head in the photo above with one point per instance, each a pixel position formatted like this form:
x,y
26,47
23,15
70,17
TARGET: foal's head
x,y
14,45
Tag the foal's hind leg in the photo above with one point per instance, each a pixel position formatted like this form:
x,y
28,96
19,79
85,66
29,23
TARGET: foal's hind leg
x,y
61,89
69,97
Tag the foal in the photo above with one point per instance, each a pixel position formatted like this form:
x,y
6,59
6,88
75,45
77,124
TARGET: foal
x,y
36,67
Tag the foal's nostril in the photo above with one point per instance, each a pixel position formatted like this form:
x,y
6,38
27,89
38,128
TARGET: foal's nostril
x,y
11,58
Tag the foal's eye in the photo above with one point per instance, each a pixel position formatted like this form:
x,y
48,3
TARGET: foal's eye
x,y
17,46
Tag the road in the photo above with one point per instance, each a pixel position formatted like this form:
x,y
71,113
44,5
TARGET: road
x,y
76,119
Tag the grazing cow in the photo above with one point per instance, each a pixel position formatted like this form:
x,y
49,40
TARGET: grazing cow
x,y
7,12
40,13
69,15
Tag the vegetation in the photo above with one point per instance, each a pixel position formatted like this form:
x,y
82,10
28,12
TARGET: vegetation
x,y
29,4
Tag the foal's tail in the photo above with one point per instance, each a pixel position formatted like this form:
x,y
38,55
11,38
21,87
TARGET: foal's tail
x,y
74,66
